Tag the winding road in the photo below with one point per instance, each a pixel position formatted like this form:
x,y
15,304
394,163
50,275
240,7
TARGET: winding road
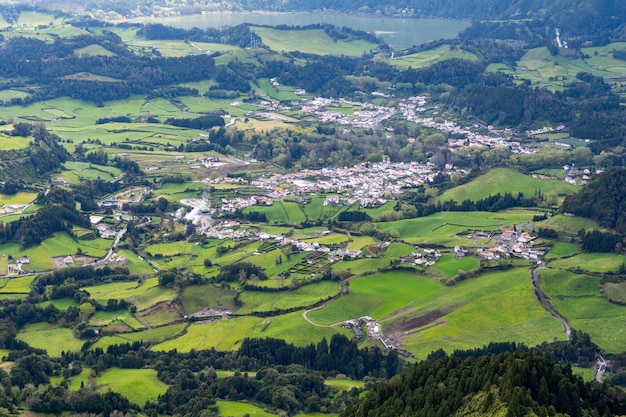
x,y
544,303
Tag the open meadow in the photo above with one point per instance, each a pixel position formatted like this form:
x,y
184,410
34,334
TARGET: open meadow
x,y
504,180
313,41
138,385
432,56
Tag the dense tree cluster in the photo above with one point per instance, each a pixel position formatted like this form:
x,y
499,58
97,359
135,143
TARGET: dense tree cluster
x,y
603,200
515,384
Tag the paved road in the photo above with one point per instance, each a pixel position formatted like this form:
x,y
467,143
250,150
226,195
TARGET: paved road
x,y
544,303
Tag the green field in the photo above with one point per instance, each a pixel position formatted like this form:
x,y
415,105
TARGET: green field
x,y
228,334
555,72
19,198
432,56
493,307
591,262
562,250
503,180
143,295
449,267
138,385
376,296
314,41
12,142
50,337
559,283
152,336
446,228
19,285
303,296
241,409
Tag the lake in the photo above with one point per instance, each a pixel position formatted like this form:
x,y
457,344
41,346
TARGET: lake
x,y
397,32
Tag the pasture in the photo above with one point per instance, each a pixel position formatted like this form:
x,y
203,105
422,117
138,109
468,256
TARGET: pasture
x,y
432,56
555,72
254,301
16,286
138,385
377,296
493,307
143,294
602,320
314,41
561,250
447,228
590,262
228,334
151,336
503,180
241,409
448,266
50,337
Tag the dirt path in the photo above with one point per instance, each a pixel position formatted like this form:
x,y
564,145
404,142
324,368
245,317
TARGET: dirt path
x,y
544,303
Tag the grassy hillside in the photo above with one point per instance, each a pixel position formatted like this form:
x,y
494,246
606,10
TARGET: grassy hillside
x,y
504,180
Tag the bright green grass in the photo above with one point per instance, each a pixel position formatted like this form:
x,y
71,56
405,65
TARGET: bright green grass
x,y
60,244
268,260
83,377
51,338
314,41
17,285
569,225
12,142
451,267
603,321
344,384
138,385
240,409
432,56
591,262
562,250
559,283
104,318
294,212
294,329
220,334
329,239
89,171
359,242
503,180
307,295
20,198
147,336
375,212
143,296
169,249
498,306
363,265
32,18
275,213
314,208
7,95
398,250
135,265
442,228
376,296
587,374
228,334
61,304
91,50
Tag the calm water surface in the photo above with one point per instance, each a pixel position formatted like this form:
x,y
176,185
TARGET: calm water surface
x,y
398,32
